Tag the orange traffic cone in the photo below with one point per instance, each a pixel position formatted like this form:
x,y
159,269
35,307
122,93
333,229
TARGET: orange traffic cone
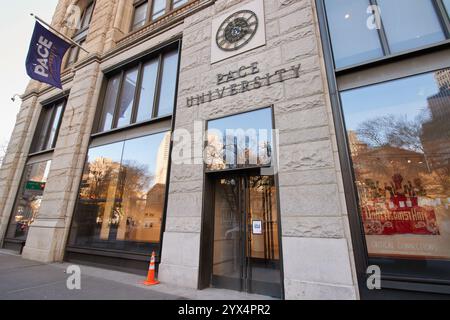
x,y
151,281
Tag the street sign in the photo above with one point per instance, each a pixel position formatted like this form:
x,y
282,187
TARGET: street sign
x,y
35,185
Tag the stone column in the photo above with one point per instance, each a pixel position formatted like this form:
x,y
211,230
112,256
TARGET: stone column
x,y
47,235
16,156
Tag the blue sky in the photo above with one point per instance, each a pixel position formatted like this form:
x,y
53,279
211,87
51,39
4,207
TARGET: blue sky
x,y
16,27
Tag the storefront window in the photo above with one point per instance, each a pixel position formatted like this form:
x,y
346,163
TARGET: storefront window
x,y
399,139
122,195
29,200
240,141
352,41
410,26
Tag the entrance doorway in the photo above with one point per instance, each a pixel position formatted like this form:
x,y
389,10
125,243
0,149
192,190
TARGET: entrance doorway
x,y
246,245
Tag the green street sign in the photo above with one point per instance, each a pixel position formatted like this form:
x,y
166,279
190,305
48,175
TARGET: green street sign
x,y
35,185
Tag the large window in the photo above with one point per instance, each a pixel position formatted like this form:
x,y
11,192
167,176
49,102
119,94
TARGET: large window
x,y
122,195
28,201
363,30
151,10
48,127
352,41
141,93
240,141
399,139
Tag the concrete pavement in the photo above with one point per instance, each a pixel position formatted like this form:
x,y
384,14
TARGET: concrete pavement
x,y
29,280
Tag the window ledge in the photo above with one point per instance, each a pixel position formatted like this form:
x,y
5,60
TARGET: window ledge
x,y
40,153
394,57
132,126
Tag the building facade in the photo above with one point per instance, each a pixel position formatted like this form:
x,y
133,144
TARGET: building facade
x,y
291,148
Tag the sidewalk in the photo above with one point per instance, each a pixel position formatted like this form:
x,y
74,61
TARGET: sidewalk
x,y
29,280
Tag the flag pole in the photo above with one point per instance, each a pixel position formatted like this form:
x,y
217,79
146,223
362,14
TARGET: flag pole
x,y
59,33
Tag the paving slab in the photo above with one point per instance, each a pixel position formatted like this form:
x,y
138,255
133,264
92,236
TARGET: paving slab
x,y
22,279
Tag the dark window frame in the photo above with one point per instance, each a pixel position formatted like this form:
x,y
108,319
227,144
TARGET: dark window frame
x,y
54,107
396,285
159,54
149,13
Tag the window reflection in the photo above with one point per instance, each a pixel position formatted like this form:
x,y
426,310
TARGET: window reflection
x,y
168,84
140,16
159,9
179,3
410,24
47,130
352,41
29,200
127,97
110,103
240,141
147,96
122,195
399,141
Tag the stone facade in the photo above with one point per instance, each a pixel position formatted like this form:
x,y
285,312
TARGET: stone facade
x,y
316,243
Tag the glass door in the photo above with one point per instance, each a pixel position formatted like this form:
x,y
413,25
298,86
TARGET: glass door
x,y
246,239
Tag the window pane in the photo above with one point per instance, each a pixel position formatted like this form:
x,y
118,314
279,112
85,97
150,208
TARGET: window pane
x,y
95,208
109,104
168,84
159,9
54,126
87,16
127,97
399,141
179,3
41,141
72,58
147,95
353,42
447,6
240,141
28,200
410,23
122,197
144,174
140,15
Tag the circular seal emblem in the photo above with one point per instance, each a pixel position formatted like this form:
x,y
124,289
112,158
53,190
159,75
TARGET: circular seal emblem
x,y
237,30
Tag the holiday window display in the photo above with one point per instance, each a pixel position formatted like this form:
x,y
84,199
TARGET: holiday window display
x,y
398,208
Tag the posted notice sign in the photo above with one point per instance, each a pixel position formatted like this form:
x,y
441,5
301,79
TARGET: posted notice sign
x,y
257,227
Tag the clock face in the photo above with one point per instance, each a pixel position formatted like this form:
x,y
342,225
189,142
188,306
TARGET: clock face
x,y
237,30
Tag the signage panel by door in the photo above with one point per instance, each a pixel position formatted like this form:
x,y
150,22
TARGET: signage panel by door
x,y
246,239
